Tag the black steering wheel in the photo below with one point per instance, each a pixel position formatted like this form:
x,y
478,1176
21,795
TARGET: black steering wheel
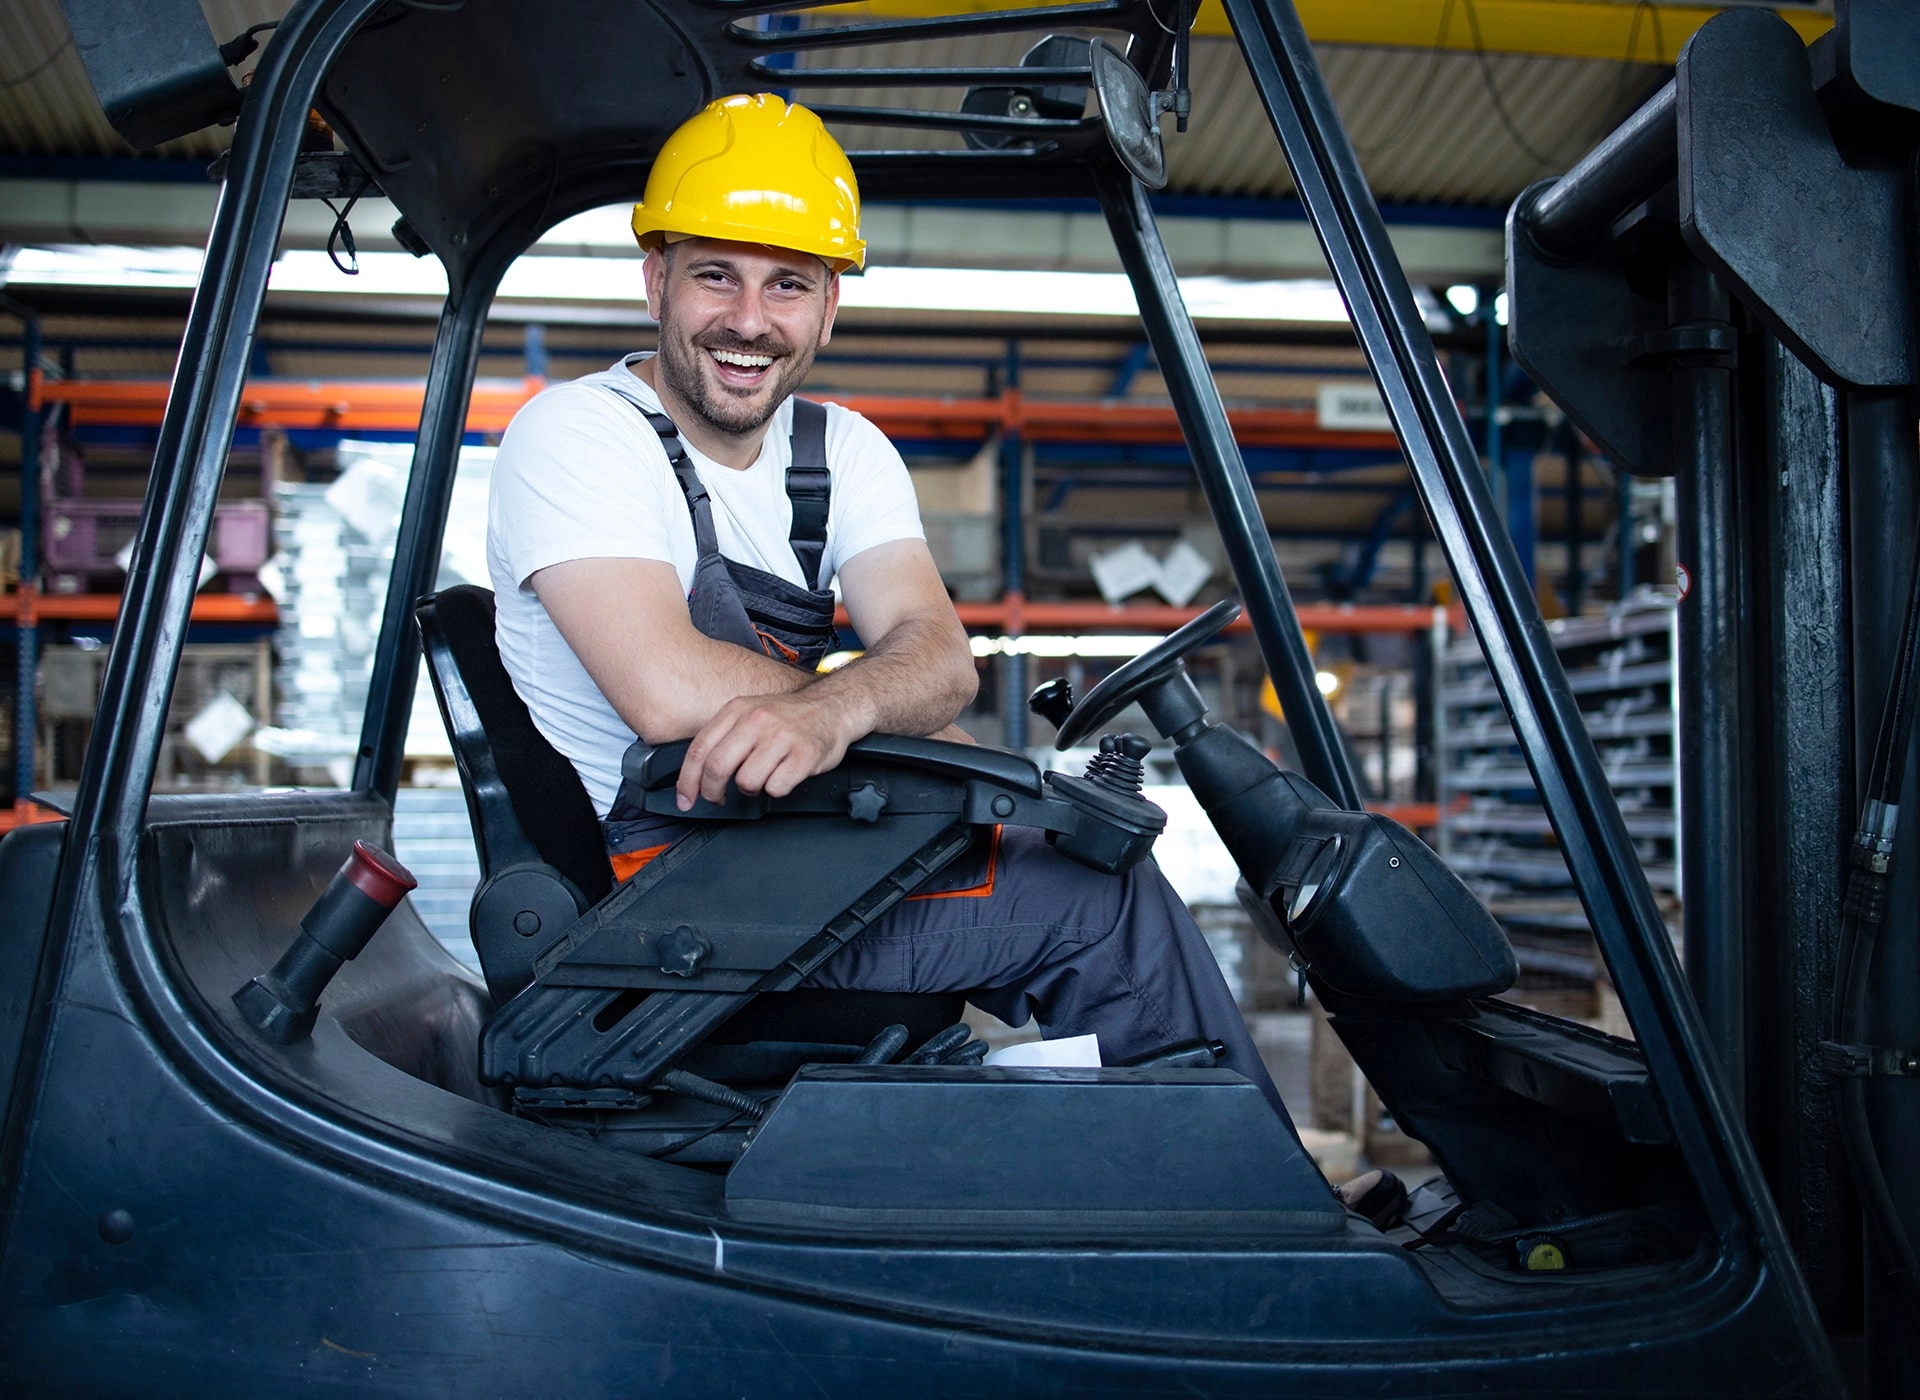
x,y
1142,674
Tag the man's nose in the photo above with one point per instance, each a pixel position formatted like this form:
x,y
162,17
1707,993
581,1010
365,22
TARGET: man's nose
x,y
749,315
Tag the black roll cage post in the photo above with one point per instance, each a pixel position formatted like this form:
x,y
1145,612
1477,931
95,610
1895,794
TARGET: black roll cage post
x,y
98,872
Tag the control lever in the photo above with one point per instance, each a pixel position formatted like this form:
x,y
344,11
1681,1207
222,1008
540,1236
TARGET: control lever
x,y
1052,700
1185,1054
281,1003
1117,824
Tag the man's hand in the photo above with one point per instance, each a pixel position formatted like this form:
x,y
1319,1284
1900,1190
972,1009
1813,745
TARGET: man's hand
x,y
767,743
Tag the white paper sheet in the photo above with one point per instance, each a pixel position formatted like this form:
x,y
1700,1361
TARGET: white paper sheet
x,y
1074,1051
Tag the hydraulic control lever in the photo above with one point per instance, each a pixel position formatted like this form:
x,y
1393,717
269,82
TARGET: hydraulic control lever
x,y
282,1002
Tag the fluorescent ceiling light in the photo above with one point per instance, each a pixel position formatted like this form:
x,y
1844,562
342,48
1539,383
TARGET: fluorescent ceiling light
x,y
545,277
610,226
381,274
105,265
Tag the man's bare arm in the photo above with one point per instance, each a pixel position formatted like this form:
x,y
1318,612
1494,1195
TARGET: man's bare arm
x,y
627,621
915,677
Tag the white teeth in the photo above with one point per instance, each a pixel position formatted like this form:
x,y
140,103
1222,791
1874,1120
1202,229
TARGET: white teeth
x,y
734,357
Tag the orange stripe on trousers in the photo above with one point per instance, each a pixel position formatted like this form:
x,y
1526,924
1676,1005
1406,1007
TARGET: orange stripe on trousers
x,y
627,864
984,889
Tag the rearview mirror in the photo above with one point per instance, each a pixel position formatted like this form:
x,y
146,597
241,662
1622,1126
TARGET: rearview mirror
x,y
1131,113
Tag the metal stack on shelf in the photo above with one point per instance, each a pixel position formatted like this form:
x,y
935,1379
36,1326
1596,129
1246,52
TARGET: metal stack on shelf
x,y
1493,830
330,581
330,577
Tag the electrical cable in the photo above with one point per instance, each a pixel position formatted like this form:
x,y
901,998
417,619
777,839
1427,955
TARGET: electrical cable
x,y
1493,91
1643,8
239,49
8,84
1404,127
692,1086
686,1142
342,232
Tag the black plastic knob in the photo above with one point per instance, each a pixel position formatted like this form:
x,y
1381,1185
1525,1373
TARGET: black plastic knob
x,y
1052,700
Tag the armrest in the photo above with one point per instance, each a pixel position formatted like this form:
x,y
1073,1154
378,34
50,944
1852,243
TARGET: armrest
x,y
898,775
654,768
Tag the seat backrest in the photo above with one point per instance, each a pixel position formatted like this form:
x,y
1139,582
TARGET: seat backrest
x,y
526,801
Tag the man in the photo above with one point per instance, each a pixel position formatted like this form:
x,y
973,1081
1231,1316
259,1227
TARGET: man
x,y
659,571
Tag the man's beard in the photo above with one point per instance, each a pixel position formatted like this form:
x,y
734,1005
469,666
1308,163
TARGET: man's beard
x,y
681,370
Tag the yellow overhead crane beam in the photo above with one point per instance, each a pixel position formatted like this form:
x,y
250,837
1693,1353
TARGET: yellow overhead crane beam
x,y
1621,30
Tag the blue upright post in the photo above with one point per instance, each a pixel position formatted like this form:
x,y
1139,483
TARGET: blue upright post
x,y
1520,443
25,717
1013,558
536,350
1522,508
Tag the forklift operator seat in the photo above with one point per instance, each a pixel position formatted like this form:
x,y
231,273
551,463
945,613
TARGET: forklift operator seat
x,y
542,855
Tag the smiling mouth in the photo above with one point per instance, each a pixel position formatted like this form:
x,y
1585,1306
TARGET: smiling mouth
x,y
740,368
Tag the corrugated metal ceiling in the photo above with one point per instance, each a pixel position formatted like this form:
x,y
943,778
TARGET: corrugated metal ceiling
x,y
1429,126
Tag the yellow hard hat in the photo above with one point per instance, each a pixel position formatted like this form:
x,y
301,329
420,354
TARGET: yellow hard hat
x,y
754,169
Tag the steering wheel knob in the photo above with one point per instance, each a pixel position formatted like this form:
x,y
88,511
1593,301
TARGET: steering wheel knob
x,y
1052,700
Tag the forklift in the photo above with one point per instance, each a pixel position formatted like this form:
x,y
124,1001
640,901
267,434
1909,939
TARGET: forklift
x,y
261,1131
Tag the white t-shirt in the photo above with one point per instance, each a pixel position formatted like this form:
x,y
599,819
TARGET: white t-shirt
x,y
581,475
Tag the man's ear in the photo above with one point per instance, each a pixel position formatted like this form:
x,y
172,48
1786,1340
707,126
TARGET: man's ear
x,y
654,270
833,305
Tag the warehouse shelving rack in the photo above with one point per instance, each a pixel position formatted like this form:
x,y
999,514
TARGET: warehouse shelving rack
x,y
390,406
1492,828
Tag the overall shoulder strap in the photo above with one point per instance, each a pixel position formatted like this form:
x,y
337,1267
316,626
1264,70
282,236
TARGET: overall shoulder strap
x,y
809,488
695,490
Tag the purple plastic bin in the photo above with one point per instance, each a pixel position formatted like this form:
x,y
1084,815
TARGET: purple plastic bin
x,y
82,537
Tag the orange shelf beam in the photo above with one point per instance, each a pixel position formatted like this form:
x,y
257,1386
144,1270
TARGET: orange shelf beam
x,y
1068,618
27,812
1098,617
370,406
1409,814
31,606
385,406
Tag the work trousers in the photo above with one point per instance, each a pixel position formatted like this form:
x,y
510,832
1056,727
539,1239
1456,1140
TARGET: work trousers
x,y
1022,931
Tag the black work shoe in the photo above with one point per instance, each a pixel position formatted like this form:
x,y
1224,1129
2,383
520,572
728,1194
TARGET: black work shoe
x,y
1377,1196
